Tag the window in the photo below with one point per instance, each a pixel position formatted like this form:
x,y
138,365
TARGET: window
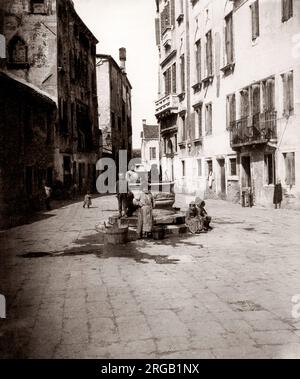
x,y
288,93
198,61
289,160
18,51
168,81
287,9
182,71
152,153
270,176
231,111
229,39
183,128
183,168
269,94
208,119
199,164
167,17
244,98
209,55
38,6
255,19
233,166
176,142
174,78
198,124
119,124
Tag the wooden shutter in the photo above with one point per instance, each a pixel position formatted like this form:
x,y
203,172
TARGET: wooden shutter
x,y
199,113
193,126
182,68
290,89
157,31
163,21
229,39
290,9
255,19
198,61
174,89
209,53
173,12
290,169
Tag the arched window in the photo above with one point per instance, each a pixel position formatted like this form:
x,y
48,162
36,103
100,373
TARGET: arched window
x,y
18,52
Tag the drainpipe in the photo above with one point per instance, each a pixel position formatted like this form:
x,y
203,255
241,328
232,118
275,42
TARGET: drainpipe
x,y
188,66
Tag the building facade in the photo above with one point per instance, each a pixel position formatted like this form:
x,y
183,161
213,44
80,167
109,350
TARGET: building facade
x,y
150,146
229,103
48,46
27,122
115,111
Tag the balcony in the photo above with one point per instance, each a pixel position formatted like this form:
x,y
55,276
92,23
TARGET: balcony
x,y
166,106
253,130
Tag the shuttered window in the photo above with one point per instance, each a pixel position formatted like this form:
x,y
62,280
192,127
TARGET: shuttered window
x,y
209,56
288,93
231,111
287,9
193,125
290,178
229,39
244,103
174,89
198,61
255,19
167,78
199,164
182,73
198,126
269,94
208,118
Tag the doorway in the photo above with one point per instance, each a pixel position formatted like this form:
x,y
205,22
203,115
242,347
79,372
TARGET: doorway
x,y
246,172
222,176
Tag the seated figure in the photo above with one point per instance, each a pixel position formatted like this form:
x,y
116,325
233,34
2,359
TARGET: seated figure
x,y
192,219
202,213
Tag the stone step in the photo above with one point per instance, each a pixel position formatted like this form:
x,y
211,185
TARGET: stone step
x,y
176,229
176,219
170,230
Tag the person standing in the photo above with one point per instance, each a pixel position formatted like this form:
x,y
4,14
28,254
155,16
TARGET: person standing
x,y
277,199
122,195
145,202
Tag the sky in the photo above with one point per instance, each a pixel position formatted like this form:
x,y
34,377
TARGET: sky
x,y
130,24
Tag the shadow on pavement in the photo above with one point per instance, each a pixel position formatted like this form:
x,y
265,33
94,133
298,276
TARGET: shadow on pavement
x,y
94,245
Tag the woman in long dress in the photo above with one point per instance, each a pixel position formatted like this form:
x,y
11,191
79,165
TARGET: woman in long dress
x,y
145,202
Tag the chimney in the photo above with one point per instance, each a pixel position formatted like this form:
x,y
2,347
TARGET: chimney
x,y
122,55
144,122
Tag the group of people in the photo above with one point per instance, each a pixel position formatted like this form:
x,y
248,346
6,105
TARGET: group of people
x,y
197,219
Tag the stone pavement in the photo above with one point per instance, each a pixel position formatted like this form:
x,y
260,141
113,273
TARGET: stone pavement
x,y
224,294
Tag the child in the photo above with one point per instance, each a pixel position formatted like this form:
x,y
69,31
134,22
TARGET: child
x,y
87,200
203,214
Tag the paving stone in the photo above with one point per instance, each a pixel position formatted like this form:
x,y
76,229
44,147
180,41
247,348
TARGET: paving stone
x,y
95,306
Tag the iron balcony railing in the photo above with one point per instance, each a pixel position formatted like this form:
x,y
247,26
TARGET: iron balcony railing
x,y
255,129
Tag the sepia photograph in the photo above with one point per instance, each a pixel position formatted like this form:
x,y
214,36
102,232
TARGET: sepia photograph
x,y
149,182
